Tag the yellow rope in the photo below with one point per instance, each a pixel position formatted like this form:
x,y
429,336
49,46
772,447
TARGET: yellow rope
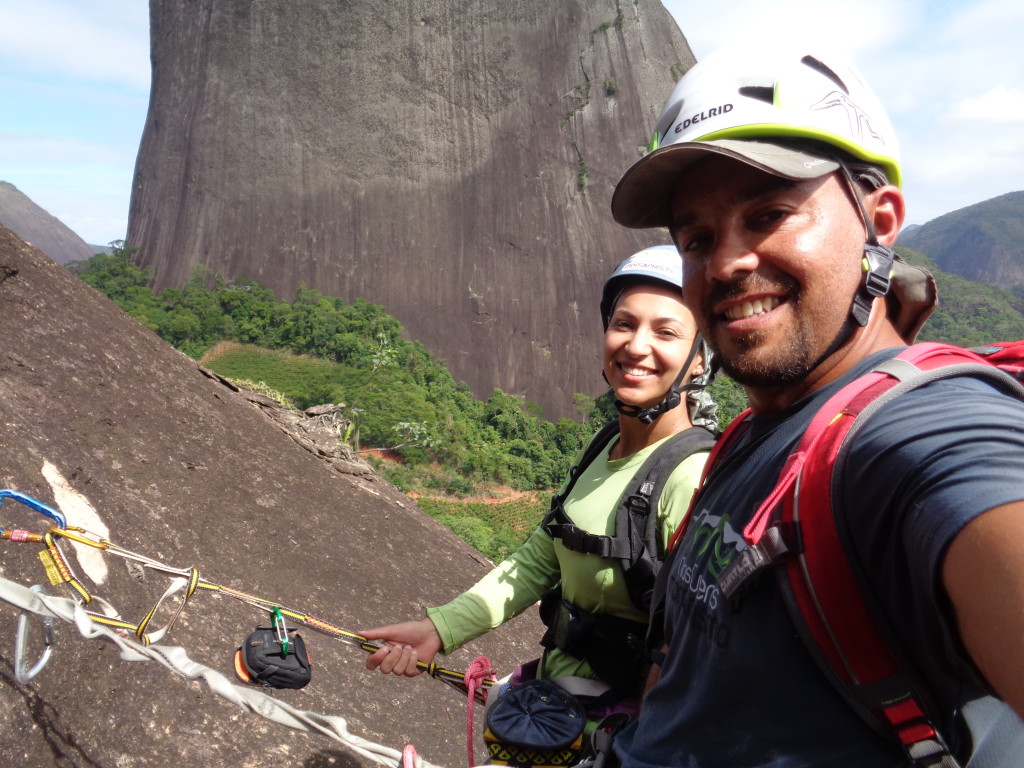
x,y
60,572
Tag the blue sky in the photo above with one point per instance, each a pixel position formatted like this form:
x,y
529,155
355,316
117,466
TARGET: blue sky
x,y
74,88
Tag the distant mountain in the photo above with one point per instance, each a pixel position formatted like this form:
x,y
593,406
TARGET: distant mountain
x,y
34,225
907,231
969,313
982,242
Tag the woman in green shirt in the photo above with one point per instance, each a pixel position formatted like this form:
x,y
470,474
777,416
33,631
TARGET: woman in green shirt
x,y
655,361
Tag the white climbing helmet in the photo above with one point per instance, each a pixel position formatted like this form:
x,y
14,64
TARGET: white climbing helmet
x,y
760,107
659,263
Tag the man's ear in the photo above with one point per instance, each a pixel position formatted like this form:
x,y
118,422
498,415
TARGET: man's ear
x,y
888,209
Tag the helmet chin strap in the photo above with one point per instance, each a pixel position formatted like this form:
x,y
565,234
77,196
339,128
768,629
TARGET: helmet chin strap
x,y
876,262
672,399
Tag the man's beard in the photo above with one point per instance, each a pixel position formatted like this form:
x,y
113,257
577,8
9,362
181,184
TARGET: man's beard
x,y
789,362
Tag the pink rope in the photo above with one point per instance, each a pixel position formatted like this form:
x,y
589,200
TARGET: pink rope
x,y
479,670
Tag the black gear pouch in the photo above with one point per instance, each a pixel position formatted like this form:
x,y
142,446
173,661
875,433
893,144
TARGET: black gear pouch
x,y
262,661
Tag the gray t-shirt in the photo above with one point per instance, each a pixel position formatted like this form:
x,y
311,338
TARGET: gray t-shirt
x,y
739,689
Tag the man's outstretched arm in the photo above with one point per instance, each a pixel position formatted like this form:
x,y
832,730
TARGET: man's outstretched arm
x,y
983,573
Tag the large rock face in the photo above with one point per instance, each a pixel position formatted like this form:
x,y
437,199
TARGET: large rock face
x,y
43,230
94,409
452,161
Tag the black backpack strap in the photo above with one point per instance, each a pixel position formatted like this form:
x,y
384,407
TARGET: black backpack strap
x,y
635,543
635,503
636,521
556,517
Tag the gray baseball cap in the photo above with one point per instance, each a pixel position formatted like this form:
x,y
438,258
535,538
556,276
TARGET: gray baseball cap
x,y
643,196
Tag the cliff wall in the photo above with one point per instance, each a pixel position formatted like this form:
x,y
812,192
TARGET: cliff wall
x,y
452,161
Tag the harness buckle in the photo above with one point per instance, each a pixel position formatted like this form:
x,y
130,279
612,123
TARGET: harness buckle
x,y
638,503
578,540
779,541
877,269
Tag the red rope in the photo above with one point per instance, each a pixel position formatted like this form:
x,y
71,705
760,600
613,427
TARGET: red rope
x,y
479,670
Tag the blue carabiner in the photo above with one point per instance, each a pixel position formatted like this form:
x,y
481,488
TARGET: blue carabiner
x,y
56,515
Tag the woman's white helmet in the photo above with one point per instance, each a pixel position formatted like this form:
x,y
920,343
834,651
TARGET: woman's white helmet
x,y
757,107
657,264
662,265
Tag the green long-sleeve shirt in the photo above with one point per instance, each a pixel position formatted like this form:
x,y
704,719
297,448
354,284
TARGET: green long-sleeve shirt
x,y
593,583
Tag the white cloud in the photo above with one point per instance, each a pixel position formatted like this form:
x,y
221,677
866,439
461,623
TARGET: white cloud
x,y
999,105
75,85
849,27
103,40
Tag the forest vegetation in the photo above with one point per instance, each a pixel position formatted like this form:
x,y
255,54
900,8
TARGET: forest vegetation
x,y
485,468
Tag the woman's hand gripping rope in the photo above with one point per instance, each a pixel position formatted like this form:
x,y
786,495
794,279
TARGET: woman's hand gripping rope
x,y
403,646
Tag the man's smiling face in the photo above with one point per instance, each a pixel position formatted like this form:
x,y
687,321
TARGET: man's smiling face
x,y
770,266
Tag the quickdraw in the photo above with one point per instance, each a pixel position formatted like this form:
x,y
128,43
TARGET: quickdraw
x,y
186,581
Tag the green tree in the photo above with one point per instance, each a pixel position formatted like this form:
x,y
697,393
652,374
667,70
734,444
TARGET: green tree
x,y
114,275
397,394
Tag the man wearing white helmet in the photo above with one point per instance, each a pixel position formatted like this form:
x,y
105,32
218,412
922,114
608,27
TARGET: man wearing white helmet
x,y
777,175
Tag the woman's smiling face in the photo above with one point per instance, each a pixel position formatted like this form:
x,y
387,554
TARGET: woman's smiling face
x,y
649,337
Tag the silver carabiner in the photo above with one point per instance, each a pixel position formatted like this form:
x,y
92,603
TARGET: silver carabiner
x,y
21,674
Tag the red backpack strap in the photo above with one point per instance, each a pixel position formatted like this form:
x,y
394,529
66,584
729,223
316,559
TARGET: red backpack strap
x,y
822,590
769,543
901,373
826,601
1006,355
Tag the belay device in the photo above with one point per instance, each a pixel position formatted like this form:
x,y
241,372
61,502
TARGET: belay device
x,y
270,657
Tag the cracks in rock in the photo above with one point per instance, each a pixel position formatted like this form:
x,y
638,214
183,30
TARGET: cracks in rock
x,y
7,272
582,92
314,430
62,743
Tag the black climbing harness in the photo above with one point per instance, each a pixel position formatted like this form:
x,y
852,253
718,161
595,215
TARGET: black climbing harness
x,y
613,646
